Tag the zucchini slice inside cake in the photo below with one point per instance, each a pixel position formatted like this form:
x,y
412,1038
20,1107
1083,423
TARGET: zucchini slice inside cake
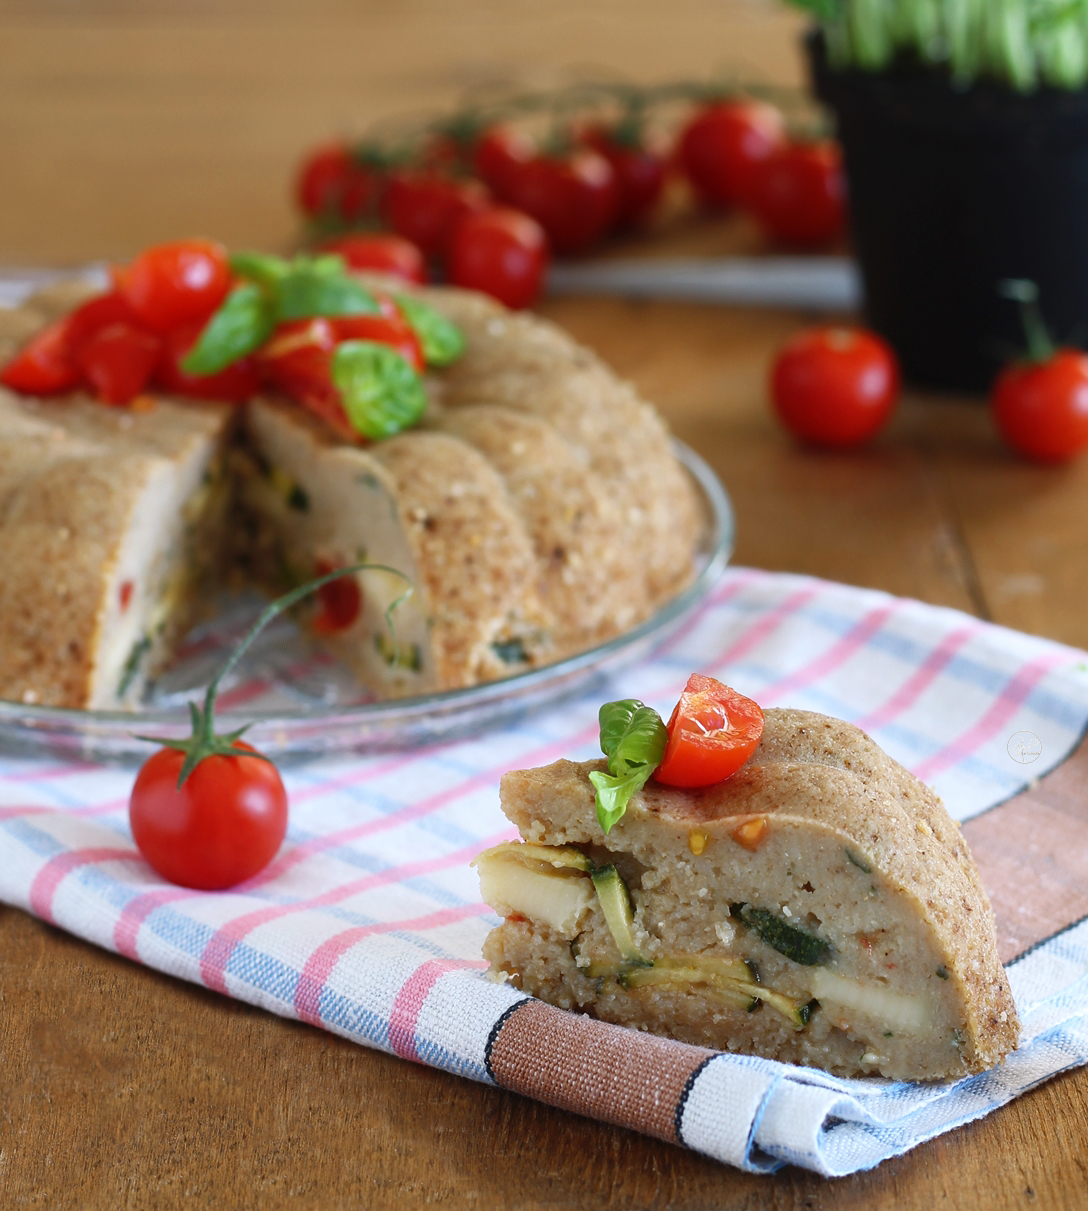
x,y
819,907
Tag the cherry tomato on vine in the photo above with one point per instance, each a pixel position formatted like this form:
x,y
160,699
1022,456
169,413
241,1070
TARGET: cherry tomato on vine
x,y
426,207
723,147
384,253
235,384
1041,408
223,825
835,386
500,153
573,197
800,194
117,362
502,252
174,284
332,183
712,733
640,173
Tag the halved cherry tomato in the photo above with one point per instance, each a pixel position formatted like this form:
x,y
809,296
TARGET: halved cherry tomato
x,y
174,284
573,197
500,153
392,330
835,386
332,183
1041,408
44,366
223,826
118,361
712,733
236,383
723,147
98,313
340,602
502,252
800,194
426,207
640,173
385,253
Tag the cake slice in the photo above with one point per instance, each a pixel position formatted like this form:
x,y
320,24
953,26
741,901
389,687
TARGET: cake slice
x,y
818,907
112,524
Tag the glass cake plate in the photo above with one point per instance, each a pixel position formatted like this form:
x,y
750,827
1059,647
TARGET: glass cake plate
x,y
301,702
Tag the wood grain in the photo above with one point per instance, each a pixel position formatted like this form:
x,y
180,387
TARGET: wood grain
x,y
125,122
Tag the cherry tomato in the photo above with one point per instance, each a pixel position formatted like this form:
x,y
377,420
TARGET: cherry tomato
x,y
712,733
426,207
723,147
44,366
174,284
640,173
235,384
340,602
332,183
390,254
500,153
501,252
1041,408
835,386
392,330
223,826
800,195
48,363
573,197
118,361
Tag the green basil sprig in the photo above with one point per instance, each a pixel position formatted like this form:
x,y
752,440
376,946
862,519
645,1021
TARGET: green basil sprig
x,y
315,286
440,340
242,324
382,392
633,738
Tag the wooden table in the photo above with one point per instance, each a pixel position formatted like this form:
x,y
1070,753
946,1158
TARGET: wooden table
x,y
121,1088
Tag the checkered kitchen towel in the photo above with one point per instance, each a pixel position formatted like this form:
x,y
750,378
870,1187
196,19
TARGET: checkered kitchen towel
x,y
369,921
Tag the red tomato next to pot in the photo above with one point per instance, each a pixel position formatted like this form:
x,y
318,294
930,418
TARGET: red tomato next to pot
x,y
835,386
1041,408
573,197
391,254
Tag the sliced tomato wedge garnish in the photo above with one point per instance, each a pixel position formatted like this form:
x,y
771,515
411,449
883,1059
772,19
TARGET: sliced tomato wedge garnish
x,y
712,733
386,329
234,384
118,361
340,602
44,366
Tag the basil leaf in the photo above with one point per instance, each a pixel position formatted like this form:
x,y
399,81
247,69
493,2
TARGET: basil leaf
x,y
631,734
319,286
633,738
259,267
382,393
614,793
242,324
440,339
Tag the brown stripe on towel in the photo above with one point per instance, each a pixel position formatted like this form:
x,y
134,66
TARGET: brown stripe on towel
x,y
593,1068
1032,853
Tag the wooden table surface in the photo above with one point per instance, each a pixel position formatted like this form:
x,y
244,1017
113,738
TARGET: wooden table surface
x,y
124,123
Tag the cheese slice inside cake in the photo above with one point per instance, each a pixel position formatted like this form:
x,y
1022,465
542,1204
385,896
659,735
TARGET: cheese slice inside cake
x,y
819,907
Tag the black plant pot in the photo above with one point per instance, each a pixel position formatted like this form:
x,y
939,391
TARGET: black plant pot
x,y
952,190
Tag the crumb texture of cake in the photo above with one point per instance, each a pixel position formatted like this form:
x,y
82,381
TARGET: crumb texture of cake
x,y
536,511
111,524
819,907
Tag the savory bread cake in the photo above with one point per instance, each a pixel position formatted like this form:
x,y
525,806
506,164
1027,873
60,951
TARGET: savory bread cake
x,y
512,510
818,907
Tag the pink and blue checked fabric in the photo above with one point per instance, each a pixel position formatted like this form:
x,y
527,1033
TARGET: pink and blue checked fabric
x,y
369,921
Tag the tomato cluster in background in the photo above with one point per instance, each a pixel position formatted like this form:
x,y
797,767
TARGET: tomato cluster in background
x,y
487,201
